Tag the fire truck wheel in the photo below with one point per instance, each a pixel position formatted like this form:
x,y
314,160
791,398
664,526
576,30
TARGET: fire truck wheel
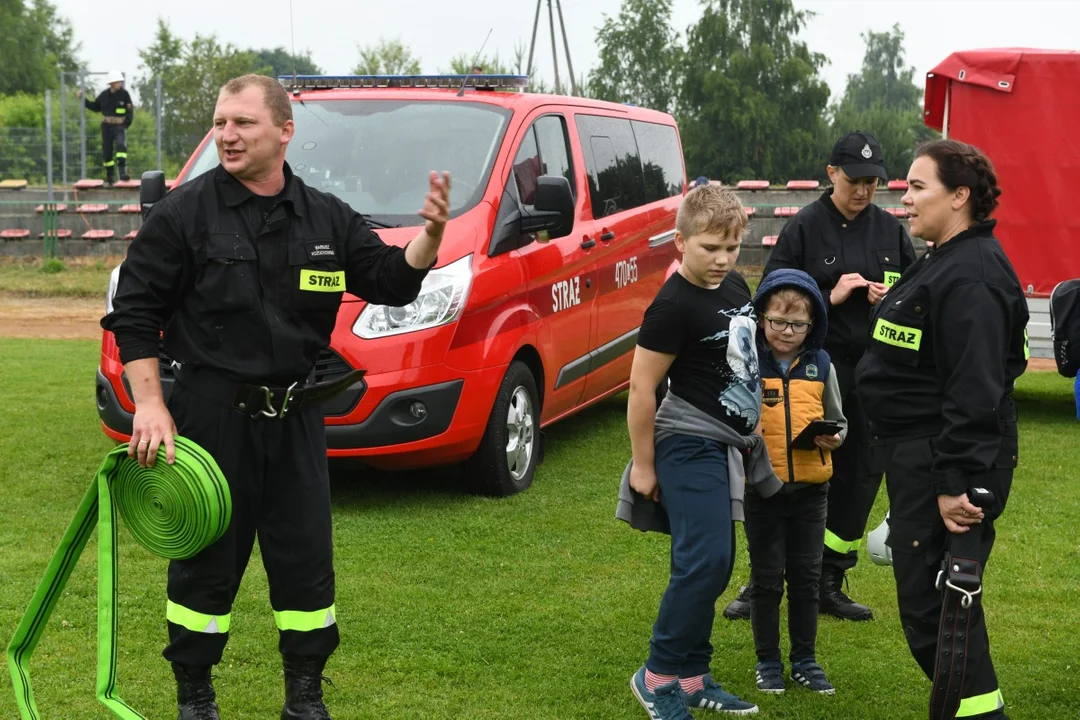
x,y
510,449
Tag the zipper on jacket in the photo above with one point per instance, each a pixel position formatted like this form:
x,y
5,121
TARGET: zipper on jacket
x,y
787,416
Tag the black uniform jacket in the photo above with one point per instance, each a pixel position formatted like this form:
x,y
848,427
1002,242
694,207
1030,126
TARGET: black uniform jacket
x,y
947,343
246,289
822,242
113,104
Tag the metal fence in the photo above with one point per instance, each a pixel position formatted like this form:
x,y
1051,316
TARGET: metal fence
x,y
71,139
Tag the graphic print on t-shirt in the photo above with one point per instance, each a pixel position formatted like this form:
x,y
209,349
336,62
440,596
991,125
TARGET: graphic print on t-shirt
x,y
741,396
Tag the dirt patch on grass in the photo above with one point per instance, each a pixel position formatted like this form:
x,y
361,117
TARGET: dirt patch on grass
x,y
52,318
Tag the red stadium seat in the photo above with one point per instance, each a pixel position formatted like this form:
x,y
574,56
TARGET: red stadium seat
x,y
769,240
60,207
98,235
14,234
898,184
92,208
753,185
786,211
803,185
130,208
89,184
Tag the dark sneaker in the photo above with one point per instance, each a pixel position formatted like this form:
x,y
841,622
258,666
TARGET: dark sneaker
x,y
713,697
810,675
739,608
833,601
770,677
667,703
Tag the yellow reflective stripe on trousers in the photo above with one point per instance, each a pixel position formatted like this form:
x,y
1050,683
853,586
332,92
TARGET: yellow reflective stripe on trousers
x,y
305,621
109,163
121,155
980,704
836,543
197,621
902,336
1027,346
121,111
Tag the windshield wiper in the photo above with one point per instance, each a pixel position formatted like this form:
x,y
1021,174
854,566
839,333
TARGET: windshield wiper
x,y
377,223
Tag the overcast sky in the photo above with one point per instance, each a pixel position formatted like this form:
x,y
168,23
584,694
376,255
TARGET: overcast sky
x,y
437,30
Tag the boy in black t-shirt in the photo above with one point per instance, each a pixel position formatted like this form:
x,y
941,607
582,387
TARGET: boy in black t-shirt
x,y
700,333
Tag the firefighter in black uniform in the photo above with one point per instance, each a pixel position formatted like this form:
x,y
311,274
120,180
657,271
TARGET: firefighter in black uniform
x,y
855,251
117,111
243,268
937,382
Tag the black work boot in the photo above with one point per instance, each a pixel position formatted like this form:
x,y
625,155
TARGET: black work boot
x,y
195,693
121,166
303,689
739,608
833,601
109,176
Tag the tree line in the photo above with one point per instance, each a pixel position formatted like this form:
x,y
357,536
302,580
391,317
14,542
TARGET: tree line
x,y
747,91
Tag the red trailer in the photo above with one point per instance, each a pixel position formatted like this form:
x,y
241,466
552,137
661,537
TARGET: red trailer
x,y
1022,108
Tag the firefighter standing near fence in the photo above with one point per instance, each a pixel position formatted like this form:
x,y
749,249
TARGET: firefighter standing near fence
x,y
114,104
937,382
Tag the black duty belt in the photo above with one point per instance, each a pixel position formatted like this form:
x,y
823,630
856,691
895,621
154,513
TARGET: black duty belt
x,y
960,581
272,401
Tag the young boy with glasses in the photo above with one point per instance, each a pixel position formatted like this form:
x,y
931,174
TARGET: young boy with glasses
x,y
785,531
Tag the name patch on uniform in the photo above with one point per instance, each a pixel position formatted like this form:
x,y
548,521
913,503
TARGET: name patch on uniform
x,y
771,397
891,278
321,250
322,280
899,335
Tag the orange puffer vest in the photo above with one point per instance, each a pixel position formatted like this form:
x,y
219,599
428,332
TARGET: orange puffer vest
x,y
788,405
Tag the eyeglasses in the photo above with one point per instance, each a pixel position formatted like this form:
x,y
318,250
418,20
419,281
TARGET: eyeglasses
x,y
799,328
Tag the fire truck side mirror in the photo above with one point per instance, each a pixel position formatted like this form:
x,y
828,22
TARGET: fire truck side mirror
x,y
151,189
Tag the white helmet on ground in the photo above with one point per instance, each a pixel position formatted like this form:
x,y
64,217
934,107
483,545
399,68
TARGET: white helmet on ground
x,y
880,553
114,76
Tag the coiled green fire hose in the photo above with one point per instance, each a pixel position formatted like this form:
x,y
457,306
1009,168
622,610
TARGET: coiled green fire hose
x,y
174,511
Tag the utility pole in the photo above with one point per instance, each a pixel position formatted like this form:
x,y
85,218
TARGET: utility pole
x,y
554,43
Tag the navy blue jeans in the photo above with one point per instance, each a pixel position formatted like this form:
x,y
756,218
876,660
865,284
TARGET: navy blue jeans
x,y
693,478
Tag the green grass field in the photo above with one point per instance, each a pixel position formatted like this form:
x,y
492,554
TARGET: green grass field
x,y
536,606
84,277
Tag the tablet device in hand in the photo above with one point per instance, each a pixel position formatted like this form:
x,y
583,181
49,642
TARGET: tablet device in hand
x,y
805,439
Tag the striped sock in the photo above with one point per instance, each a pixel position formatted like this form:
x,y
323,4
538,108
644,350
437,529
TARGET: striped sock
x,y
653,681
692,685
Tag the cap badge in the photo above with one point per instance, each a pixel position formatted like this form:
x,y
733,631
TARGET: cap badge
x,y
867,152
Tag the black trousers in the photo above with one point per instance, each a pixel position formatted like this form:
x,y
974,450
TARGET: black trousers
x,y
854,484
919,540
114,148
784,535
280,487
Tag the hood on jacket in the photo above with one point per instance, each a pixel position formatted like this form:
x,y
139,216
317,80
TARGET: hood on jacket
x,y
788,278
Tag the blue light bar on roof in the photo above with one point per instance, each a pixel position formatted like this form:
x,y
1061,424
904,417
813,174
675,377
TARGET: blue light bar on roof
x,y
312,82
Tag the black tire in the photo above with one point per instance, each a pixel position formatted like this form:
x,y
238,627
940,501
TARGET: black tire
x,y
504,465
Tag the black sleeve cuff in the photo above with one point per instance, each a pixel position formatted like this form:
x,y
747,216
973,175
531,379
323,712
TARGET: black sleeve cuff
x,y
136,347
952,482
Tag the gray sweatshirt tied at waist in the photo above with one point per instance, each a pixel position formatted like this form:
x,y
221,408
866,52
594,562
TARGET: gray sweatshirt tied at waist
x,y
748,464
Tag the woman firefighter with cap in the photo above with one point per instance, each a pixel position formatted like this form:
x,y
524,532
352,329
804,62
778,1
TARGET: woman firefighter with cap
x,y
855,251
937,382
117,111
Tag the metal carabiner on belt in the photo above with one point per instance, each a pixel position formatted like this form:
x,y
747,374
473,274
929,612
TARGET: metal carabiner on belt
x,y
268,399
